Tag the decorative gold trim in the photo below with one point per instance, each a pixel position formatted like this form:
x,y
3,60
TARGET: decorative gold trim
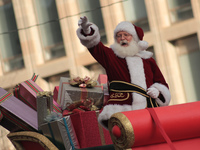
x,y
130,91
127,138
151,102
16,137
120,99
156,103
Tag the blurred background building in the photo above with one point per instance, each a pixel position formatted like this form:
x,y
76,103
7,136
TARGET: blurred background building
x,y
39,36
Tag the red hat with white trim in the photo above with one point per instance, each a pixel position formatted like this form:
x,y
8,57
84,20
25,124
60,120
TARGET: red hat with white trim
x,y
134,30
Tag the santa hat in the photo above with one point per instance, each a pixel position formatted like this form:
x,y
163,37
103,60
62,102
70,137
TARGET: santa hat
x,y
134,30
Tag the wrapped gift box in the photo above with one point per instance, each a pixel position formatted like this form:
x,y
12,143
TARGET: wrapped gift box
x,y
27,92
55,93
16,115
44,106
61,133
88,131
67,93
103,80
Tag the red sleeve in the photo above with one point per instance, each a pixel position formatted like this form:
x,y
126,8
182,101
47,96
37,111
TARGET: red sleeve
x,y
102,54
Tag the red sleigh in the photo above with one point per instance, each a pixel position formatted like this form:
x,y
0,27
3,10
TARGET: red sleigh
x,y
138,130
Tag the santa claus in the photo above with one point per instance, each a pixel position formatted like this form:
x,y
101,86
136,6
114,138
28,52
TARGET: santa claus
x,y
135,81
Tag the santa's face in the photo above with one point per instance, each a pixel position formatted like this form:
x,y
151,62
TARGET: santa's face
x,y
125,45
123,38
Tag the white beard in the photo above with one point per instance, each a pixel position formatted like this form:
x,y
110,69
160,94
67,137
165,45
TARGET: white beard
x,y
128,51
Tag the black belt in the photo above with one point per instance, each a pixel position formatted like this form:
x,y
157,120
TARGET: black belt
x,y
122,86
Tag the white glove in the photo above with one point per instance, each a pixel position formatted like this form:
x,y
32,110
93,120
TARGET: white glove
x,y
153,92
83,22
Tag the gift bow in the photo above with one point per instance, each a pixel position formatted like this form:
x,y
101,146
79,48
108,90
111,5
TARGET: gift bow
x,y
82,82
86,104
45,94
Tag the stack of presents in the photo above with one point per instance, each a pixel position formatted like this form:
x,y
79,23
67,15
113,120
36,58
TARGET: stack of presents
x,y
68,117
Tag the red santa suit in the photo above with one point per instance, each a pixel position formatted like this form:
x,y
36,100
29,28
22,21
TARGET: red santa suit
x,y
140,69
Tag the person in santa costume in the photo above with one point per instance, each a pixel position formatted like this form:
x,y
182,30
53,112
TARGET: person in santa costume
x,y
135,81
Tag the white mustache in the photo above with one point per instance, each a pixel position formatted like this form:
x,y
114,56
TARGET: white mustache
x,y
123,42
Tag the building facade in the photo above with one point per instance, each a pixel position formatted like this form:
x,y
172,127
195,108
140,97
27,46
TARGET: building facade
x,y
39,36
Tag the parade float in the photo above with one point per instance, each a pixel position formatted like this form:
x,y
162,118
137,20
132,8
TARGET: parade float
x,y
36,120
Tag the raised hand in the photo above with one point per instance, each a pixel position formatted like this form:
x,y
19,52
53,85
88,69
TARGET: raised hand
x,y
83,22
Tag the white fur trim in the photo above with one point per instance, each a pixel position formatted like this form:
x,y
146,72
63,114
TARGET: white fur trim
x,y
145,54
89,41
127,27
109,110
136,70
165,92
143,45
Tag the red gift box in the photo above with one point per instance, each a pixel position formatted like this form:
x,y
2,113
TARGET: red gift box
x,y
27,92
15,115
102,79
88,131
55,93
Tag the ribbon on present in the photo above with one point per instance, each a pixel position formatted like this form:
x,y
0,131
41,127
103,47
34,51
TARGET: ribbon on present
x,y
80,106
5,113
5,97
53,116
2,99
34,77
86,104
103,142
83,82
68,133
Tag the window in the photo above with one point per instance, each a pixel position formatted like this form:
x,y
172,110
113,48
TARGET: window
x,y
94,16
10,48
50,30
180,10
135,12
188,55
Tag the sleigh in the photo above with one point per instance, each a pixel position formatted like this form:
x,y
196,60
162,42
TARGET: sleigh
x,y
164,128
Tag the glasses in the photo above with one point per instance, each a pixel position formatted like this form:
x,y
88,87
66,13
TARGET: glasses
x,y
126,35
